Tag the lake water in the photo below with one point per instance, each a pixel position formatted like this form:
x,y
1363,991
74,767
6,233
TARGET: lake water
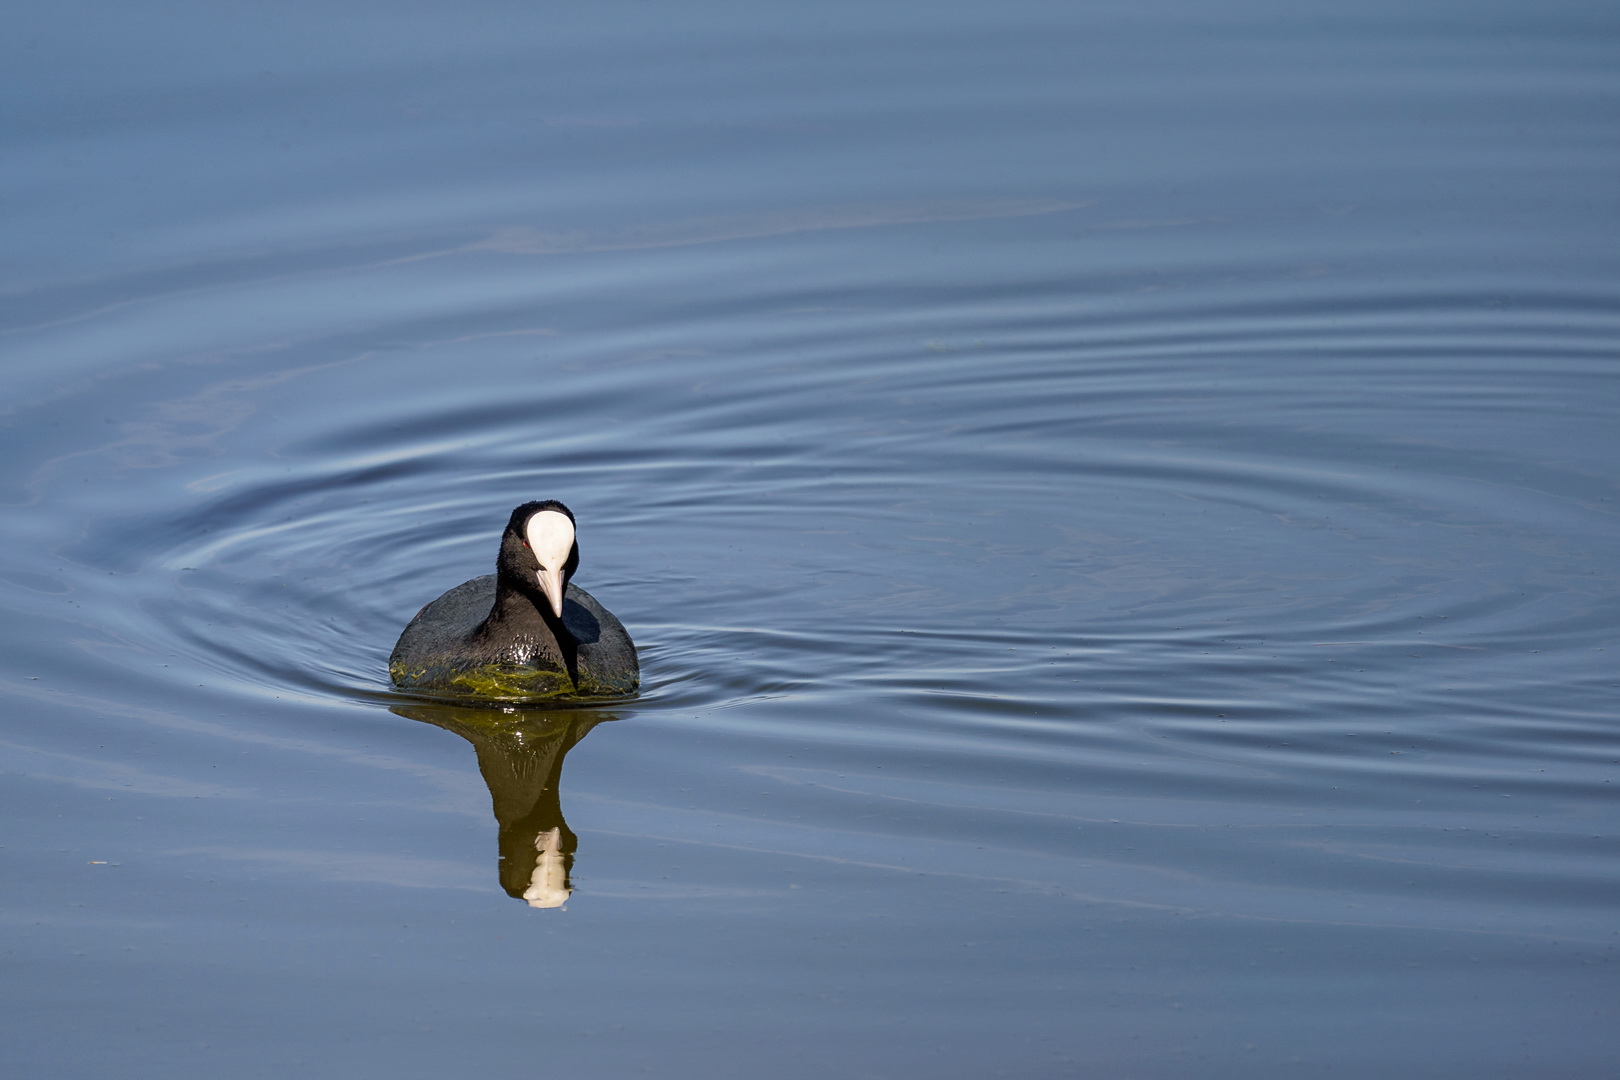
x,y
1118,505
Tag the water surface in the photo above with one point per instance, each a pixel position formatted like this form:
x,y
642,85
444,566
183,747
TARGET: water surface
x,y
1117,504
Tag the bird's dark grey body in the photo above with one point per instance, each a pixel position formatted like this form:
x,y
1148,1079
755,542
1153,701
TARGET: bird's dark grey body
x,y
497,637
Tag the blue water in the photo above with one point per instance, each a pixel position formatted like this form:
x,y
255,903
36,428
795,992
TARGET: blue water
x,y
1118,506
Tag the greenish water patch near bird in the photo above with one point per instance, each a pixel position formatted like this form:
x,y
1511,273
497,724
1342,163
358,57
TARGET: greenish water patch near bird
x,y
514,727
504,683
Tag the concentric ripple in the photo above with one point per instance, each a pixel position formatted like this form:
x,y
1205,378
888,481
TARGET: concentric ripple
x,y
1060,520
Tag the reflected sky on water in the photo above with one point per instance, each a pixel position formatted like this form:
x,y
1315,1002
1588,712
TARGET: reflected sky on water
x,y
1116,504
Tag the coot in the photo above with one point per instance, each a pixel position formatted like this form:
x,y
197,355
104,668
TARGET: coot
x,y
523,632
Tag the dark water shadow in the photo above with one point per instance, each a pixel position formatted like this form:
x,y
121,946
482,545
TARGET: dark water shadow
x,y
520,753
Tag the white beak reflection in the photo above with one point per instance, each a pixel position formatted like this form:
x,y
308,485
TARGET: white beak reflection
x,y
548,885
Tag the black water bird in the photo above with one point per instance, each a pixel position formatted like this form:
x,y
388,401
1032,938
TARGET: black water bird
x,y
524,632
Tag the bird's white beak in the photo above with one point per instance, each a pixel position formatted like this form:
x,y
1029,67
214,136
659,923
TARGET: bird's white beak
x,y
551,583
551,538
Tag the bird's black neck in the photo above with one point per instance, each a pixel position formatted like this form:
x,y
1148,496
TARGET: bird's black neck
x,y
522,616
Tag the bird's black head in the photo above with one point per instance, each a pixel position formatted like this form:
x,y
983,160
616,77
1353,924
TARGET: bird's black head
x,y
539,553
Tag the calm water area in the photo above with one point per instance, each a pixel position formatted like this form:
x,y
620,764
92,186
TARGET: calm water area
x,y
1118,503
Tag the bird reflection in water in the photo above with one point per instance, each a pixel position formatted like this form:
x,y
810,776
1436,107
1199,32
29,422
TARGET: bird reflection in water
x,y
520,753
